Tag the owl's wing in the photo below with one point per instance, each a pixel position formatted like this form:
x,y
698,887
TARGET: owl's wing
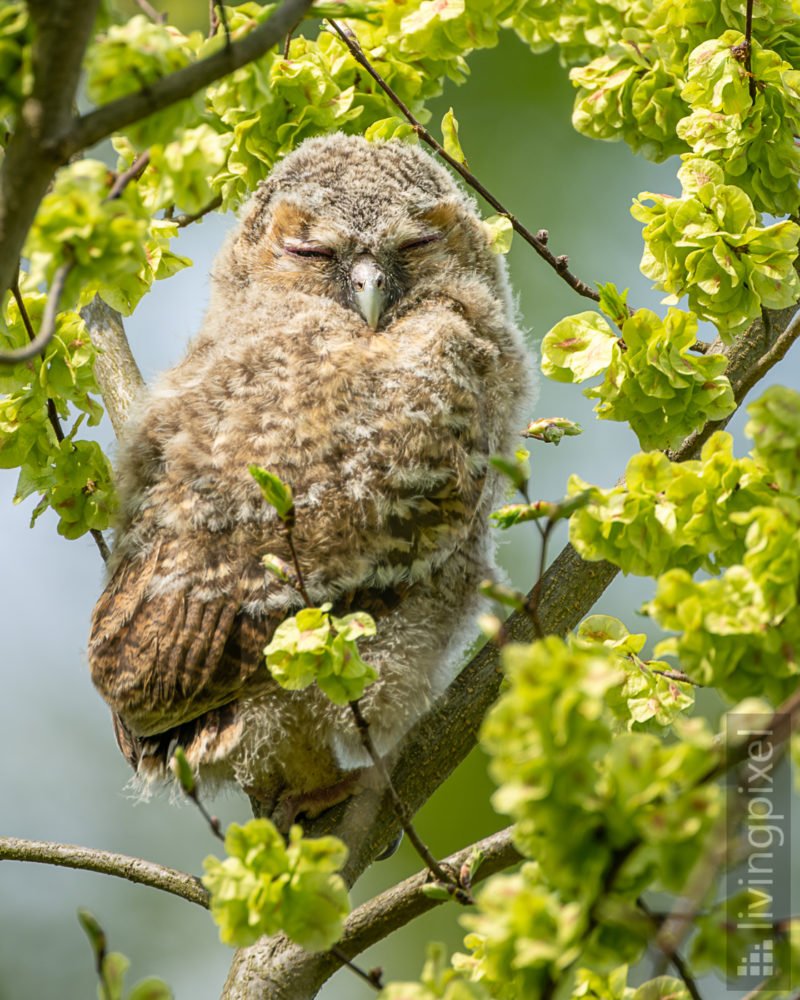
x,y
163,657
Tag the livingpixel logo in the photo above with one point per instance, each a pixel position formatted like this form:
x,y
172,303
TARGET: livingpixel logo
x,y
758,815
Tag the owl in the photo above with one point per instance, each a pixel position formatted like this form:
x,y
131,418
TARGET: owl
x,y
360,343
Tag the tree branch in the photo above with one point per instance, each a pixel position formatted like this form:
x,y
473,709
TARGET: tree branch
x,y
444,737
115,367
181,221
133,173
559,264
151,12
106,863
103,121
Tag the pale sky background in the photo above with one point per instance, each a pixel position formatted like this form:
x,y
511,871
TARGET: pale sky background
x,y
61,777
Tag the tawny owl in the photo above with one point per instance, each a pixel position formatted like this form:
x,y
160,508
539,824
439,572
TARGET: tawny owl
x,y
360,343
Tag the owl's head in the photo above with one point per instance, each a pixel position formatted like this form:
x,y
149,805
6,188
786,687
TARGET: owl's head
x,y
373,226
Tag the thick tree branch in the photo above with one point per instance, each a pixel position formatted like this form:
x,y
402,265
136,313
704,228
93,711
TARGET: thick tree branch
x,y
115,367
377,918
62,31
750,357
443,738
106,863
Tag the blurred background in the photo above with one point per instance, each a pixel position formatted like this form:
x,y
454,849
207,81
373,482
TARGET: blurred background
x,y
61,777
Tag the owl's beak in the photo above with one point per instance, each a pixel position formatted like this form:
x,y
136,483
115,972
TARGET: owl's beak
x,y
369,289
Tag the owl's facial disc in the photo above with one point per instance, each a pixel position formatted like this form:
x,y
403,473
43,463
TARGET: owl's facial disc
x,y
368,284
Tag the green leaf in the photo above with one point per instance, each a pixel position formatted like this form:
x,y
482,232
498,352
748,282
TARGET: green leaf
x,y
314,909
551,430
182,770
391,128
774,426
150,989
662,988
578,348
278,567
358,625
265,885
435,890
452,145
95,933
613,303
516,470
277,493
502,594
499,231
473,863
112,975
518,513
313,646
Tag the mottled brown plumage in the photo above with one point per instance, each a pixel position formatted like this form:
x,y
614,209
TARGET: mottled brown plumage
x,y
360,343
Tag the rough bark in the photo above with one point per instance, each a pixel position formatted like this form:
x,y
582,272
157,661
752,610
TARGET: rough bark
x,y
118,376
106,863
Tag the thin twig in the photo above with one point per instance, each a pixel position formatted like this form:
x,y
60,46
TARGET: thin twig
x,y
187,781
151,12
133,173
560,264
439,873
743,52
300,584
186,220
748,41
217,17
48,327
52,412
137,870
675,675
374,977
677,960
688,979
213,821
534,599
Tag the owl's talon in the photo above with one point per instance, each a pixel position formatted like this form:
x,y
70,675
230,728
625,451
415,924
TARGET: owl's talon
x,y
391,848
312,803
